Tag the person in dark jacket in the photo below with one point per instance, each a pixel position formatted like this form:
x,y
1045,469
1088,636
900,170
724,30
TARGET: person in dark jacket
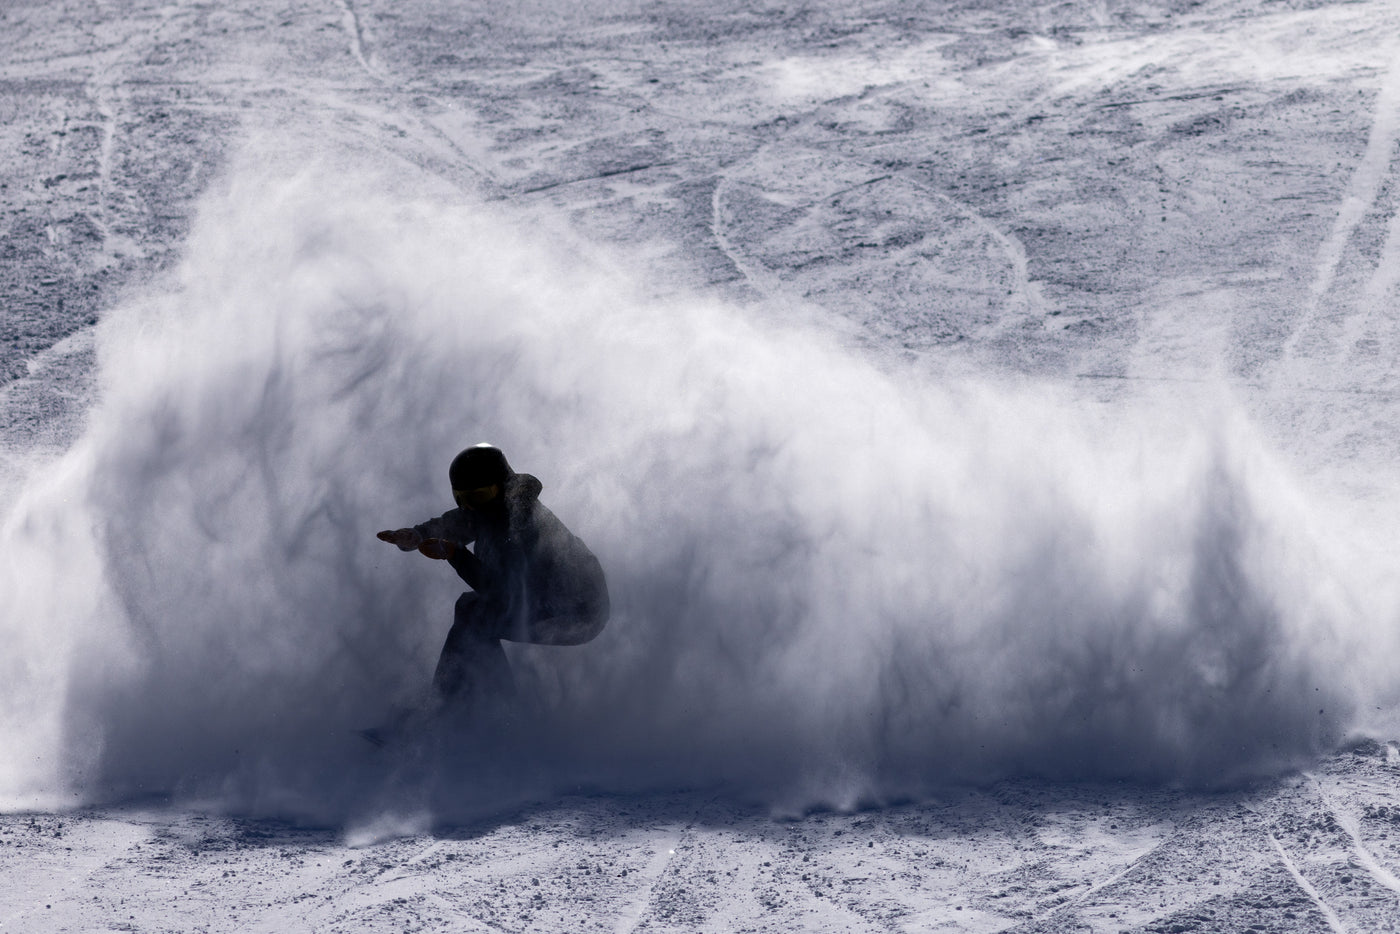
x,y
531,579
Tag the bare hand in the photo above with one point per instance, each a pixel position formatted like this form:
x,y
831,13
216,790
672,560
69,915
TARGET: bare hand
x,y
436,548
406,539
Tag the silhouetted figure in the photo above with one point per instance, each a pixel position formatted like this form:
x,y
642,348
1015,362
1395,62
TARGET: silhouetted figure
x,y
531,579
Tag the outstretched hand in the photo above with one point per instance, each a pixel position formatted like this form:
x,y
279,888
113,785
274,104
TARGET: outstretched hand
x,y
411,539
406,539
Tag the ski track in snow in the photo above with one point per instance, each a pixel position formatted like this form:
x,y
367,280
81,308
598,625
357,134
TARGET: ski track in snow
x,y
1387,273
353,27
1364,857
664,847
1333,922
759,282
1094,888
1366,181
350,22
1026,300
1023,302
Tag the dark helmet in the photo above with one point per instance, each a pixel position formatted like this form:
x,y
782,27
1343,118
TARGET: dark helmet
x,y
478,466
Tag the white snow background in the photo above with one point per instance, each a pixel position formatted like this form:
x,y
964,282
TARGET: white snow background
x,y
835,580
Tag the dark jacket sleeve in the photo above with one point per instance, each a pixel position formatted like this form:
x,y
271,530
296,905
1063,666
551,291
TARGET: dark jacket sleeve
x,y
458,527
468,567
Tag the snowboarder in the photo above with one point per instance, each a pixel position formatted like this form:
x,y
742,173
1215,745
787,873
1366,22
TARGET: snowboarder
x,y
531,579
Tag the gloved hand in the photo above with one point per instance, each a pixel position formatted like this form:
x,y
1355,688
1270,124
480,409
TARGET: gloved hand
x,y
406,539
437,548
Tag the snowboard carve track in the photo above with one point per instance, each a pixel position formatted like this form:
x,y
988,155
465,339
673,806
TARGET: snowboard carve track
x,y
354,30
597,176
1079,900
1333,922
416,862
1364,857
1387,274
1366,182
1011,247
350,21
1024,298
717,226
632,918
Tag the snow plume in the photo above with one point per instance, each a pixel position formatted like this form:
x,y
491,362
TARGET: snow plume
x,y
833,580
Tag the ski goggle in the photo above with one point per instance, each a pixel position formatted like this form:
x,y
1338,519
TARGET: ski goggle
x,y
471,499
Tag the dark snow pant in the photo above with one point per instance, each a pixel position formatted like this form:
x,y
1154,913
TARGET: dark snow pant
x,y
473,668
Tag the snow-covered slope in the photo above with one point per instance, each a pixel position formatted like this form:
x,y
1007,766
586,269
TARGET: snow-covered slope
x,y
985,417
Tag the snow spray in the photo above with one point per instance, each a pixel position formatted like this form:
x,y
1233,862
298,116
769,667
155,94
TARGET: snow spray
x,y
835,579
